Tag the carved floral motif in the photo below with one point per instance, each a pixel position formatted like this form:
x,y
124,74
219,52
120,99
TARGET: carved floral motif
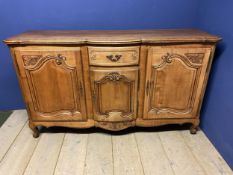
x,y
92,55
167,58
113,76
135,55
195,58
115,126
31,60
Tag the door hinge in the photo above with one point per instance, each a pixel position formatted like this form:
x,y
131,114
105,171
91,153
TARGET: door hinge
x,y
138,80
147,87
93,96
81,88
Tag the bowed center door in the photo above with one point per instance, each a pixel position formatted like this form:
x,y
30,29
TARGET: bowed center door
x,y
175,78
114,93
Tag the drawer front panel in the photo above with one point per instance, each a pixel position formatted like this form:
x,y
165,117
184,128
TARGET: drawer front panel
x,y
113,56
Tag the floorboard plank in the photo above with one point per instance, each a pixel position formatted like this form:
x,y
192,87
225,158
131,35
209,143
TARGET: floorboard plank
x,y
181,158
153,156
10,129
72,156
206,154
45,156
126,155
99,155
19,154
149,153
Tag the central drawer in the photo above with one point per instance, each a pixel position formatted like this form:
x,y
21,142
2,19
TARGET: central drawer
x,y
113,56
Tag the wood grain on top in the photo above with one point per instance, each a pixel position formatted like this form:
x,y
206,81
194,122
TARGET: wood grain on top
x,y
112,37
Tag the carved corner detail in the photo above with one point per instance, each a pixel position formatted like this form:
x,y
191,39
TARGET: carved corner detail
x,y
113,76
195,58
31,60
115,126
135,55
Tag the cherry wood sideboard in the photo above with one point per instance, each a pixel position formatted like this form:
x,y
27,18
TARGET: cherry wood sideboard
x,y
113,79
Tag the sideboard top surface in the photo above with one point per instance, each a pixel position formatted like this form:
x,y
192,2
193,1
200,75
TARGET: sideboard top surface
x,y
112,37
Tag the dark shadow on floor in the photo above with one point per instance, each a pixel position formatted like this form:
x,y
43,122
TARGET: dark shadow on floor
x,y
172,127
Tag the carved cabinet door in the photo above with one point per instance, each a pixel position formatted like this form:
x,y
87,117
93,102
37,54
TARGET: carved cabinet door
x,y
174,81
52,83
114,93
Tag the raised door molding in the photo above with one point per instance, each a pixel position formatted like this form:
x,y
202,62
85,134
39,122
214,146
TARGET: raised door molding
x,y
114,94
174,82
54,85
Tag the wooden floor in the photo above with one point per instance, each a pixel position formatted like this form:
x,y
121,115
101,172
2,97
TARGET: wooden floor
x,y
96,152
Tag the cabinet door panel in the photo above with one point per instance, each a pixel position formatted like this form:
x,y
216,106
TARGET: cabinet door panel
x,y
115,93
52,81
174,81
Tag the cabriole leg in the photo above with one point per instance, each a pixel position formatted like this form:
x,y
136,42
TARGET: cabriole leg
x,y
35,130
194,127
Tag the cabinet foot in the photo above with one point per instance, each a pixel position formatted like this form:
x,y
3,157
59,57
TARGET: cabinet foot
x,y
36,133
35,130
193,129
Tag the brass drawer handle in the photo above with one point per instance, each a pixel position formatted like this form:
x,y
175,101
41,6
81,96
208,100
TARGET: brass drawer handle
x,y
114,58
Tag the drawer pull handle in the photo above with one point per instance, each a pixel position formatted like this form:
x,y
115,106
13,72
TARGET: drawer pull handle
x,y
114,58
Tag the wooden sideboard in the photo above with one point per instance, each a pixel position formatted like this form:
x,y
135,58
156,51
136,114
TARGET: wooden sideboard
x,y
113,79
